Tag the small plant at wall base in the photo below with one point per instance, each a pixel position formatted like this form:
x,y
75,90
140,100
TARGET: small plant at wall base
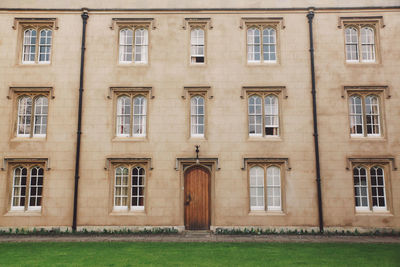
x,y
84,231
273,231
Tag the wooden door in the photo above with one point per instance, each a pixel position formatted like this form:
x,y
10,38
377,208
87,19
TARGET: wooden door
x,y
197,198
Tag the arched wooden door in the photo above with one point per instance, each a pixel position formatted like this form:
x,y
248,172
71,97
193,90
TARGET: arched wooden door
x,y
197,198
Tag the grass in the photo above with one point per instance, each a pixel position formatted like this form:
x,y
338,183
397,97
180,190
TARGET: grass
x,y
198,254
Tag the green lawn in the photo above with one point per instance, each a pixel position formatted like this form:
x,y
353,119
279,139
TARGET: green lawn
x,y
198,254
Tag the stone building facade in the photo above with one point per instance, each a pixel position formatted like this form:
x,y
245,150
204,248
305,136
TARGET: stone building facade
x,y
234,78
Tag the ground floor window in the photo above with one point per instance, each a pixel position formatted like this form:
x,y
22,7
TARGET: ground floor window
x,y
129,187
370,187
265,187
27,188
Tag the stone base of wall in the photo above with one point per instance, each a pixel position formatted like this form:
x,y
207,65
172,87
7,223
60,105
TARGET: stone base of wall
x,y
100,228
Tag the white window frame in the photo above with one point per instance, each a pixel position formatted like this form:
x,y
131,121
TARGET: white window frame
x,y
364,116
130,186
261,44
37,45
195,116
369,185
197,43
32,116
28,188
132,115
137,42
271,111
360,43
264,171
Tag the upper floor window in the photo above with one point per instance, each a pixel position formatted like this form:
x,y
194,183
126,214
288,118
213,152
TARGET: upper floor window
x,y
197,45
369,188
131,118
197,116
360,43
27,188
365,115
265,188
261,44
263,112
36,45
133,45
129,187
32,116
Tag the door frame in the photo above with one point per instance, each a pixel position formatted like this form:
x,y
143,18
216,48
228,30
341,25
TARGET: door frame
x,y
184,167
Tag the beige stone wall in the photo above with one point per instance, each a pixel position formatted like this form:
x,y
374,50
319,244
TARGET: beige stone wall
x,y
226,71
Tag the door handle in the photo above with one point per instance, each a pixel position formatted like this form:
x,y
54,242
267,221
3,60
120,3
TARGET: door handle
x,y
188,199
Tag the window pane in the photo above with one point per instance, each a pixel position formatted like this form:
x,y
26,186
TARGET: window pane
x,y
356,115
372,115
40,116
378,187
255,115
19,188
29,46
24,116
253,44
197,115
138,184
351,37
256,188
45,45
271,111
269,44
274,188
125,45
123,116
121,187
360,187
367,44
139,116
141,45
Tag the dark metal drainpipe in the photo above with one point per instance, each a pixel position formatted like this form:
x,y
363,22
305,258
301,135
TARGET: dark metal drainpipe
x,y
85,17
310,17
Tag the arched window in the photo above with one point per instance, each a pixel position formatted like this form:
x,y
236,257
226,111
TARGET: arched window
x,y
45,46
360,188
138,184
271,111
197,45
255,115
141,45
29,46
19,188
364,114
351,37
368,44
253,45
378,188
139,116
36,188
197,116
369,188
40,116
269,44
32,109
274,188
24,116
257,201
123,116
356,115
121,188
372,115
125,45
